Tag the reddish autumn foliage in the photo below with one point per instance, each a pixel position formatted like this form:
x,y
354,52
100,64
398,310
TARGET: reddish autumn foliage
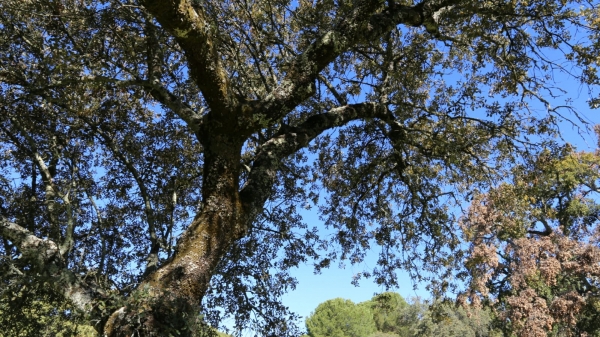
x,y
534,246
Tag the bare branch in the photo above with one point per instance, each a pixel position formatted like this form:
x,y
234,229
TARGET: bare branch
x,y
68,241
192,118
547,229
341,99
38,251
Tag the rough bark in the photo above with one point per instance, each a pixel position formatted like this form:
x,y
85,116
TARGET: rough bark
x,y
44,256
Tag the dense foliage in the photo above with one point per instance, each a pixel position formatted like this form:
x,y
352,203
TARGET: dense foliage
x,y
31,310
535,245
155,154
388,312
389,315
340,318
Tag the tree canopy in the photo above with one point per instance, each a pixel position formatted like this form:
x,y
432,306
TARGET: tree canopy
x,y
155,154
388,312
341,318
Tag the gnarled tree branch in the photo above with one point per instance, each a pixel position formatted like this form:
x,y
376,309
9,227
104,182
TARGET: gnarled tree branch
x,y
36,250
289,140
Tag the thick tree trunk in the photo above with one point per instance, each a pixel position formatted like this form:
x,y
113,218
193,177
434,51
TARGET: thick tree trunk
x,y
175,290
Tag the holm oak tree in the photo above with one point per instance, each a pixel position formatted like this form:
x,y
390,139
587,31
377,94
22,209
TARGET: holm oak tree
x,y
156,154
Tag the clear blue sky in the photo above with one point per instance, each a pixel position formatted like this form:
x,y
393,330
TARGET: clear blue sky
x,y
335,282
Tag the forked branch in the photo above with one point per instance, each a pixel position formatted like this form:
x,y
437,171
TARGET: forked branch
x,y
194,32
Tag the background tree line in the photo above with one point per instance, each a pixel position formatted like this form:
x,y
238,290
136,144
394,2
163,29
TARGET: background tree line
x,y
389,315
